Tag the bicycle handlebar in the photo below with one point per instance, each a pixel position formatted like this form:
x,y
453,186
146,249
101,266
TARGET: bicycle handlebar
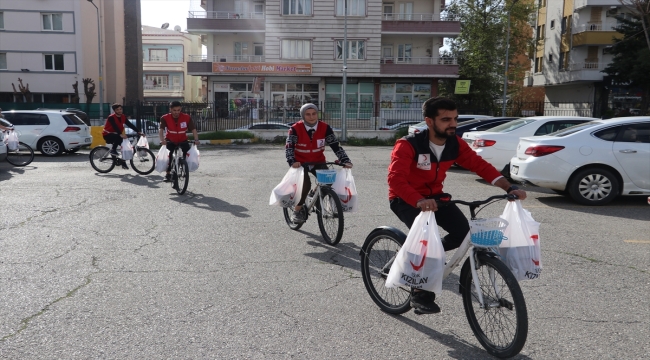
x,y
477,203
322,163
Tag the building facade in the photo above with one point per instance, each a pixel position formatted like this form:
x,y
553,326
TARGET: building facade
x,y
53,45
165,74
573,39
289,52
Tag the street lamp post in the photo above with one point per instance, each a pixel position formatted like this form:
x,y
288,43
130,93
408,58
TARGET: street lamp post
x,y
505,75
344,102
101,80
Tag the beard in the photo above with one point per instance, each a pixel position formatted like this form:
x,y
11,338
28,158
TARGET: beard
x,y
444,134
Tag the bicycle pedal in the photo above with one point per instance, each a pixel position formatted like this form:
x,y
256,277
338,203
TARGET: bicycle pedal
x,y
418,312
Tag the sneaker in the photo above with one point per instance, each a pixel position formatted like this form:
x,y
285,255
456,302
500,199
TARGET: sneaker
x,y
168,177
114,153
298,216
124,166
423,302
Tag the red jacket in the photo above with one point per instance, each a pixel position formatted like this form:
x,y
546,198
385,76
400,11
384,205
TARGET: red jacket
x,y
177,130
310,150
119,122
414,171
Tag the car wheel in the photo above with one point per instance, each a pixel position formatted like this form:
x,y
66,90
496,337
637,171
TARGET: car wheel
x,y
506,171
593,186
51,146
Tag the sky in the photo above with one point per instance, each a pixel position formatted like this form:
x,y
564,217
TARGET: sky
x,y
157,12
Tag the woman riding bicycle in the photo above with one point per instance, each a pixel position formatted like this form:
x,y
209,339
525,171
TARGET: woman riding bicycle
x,y
176,124
306,144
418,167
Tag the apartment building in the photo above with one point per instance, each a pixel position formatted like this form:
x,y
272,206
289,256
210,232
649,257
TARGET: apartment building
x,y
573,42
52,45
164,67
289,52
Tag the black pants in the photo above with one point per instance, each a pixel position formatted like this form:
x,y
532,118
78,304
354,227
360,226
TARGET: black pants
x,y
306,184
114,139
185,146
448,217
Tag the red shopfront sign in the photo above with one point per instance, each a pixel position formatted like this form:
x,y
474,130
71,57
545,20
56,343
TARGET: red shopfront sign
x,y
260,68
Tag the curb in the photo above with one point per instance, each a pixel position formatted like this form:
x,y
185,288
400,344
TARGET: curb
x,y
228,141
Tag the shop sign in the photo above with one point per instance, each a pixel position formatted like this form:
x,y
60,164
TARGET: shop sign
x,y
260,68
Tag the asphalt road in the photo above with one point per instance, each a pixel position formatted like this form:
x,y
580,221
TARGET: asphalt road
x,y
119,266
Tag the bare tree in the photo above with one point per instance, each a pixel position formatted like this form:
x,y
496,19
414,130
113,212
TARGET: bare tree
x,y
89,89
641,10
75,98
23,92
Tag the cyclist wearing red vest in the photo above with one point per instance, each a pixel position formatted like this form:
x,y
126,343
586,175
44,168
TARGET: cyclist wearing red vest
x,y
176,124
114,128
306,144
418,167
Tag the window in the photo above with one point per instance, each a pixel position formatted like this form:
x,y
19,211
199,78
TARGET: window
x,y
541,3
156,81
241,51
608,134
553,126
550,58
27,119
296,7
561,62
636,133
157,54
404,52
2,20
388,11
258,49
355,50
3,61
538,64
296,49
54,62
552,24
541,31
52,22
355,7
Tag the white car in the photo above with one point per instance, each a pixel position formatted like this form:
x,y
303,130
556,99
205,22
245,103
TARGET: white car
x,y
499,144
263,126
50,131
414,129
593,162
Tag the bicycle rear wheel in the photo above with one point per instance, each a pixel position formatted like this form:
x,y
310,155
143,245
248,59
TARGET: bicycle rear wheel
x,y
377,256
143,161
22,156
101,160
182,177
330,216
501,325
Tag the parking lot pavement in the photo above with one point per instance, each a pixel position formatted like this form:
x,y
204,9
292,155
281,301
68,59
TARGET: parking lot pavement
x,y
119,266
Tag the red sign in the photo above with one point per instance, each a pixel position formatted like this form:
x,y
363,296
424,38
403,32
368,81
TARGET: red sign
x,y
260,68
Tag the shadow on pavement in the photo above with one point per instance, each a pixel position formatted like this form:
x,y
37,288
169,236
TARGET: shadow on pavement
x,y
135,179
344,254
211,203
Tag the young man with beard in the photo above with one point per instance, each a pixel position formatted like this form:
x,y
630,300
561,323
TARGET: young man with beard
x,y
416,173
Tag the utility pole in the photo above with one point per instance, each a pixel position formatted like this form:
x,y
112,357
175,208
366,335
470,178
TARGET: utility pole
x,y
344,97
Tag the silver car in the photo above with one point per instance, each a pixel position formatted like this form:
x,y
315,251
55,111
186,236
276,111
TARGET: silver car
x,y
414,129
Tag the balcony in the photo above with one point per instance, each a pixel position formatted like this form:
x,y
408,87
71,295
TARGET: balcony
x,y
163,90
226,58
225,21
429,66
579,4
594,34
429,24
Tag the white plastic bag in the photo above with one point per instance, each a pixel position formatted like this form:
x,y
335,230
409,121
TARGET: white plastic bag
x,y
346,190
12,141
162,159
192,158
127,150
420,263
521,250
287,193
143,142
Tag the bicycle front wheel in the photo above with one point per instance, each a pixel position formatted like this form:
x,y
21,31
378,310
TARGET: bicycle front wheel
x,y
330,216
377,256
143,161
501,324
288,212
101,160
182,177
22,156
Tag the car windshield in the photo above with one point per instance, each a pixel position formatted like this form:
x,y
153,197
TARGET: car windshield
x,y
72,119
511,125
574,129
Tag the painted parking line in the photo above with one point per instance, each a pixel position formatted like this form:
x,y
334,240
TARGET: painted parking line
x,y
637,241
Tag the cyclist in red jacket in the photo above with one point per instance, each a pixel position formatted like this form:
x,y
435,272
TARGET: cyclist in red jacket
x,y
306,144
114,128
417,169
173,132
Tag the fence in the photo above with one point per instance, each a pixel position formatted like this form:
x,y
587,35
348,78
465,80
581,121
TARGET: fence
x,y
241,113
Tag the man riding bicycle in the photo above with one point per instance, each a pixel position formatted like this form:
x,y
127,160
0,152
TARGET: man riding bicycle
x,y
417,169
173,132
306,144
113,132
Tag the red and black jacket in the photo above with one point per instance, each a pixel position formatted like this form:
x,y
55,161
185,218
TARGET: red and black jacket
x,y
115,124
177,129
300,148
415,172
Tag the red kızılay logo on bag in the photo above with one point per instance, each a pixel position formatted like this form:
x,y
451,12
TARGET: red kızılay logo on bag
x,y
295,187
348,197
423,251
535,239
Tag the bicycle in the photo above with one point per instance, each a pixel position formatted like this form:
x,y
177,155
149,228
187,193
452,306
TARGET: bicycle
x,y
23,155
496,313
143,161
180,171
327,206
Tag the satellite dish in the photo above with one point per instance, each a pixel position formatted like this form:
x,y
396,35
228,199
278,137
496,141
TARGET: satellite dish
x,y
165,26
177,28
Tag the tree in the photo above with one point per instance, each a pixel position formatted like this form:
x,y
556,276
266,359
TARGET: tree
x,y
640,9
630,63
89,90
481,46
23,93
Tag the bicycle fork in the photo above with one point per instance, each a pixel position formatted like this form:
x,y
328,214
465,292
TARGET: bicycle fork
x,y
477,284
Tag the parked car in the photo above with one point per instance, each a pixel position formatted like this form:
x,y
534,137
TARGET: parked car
x,y
3,146
82,115
499,144
481,124
400,125
50,131
593,162
263,126
422,125
148,127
